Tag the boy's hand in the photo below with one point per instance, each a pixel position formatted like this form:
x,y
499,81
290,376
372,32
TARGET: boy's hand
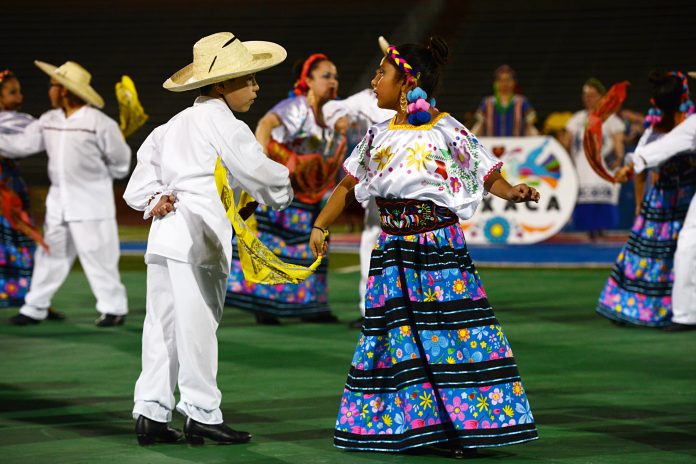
x,y
164,206
523,192
624,174
247,210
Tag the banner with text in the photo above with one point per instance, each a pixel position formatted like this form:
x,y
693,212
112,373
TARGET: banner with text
x,y
542,163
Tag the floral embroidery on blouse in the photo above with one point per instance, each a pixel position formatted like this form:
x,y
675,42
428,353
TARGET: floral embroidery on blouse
x,y
445,164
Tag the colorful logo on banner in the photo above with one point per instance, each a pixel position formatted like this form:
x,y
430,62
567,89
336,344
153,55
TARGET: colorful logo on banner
x,y
545,165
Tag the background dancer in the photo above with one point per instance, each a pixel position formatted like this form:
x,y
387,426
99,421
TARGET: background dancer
x,y
639,289
294,133
86,151
597,207
362,111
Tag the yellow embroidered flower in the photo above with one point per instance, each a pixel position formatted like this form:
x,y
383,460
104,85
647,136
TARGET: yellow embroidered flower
x,y
405,330
370,354
387,420
450,360
473,344
517,388
508,411
458,286
482,403
418,156
483,344
382,157
463,334
430,295
426,400
365,410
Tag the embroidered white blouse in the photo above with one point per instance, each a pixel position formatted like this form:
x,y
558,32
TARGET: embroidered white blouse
x,y
300,131
439,161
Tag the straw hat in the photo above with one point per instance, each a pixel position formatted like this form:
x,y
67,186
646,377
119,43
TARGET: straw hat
x,y
223,56
75,78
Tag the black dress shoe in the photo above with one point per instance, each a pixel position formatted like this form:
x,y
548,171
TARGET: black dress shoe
x,y
677,327
195,433
321,318
110,320
54,315
21,319
149,431
266,319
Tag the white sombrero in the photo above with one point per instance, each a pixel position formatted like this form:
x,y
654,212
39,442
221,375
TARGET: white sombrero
x,y
223,56
75,78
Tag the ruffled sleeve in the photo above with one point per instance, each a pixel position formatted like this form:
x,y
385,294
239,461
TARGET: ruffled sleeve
x,y
292,113
468,165
356,164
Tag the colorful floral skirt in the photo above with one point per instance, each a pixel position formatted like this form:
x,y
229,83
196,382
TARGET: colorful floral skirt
x,y
432,363
16,249
639,289
286,233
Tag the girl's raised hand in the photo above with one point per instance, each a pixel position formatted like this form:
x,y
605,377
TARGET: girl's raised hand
x,y
523,192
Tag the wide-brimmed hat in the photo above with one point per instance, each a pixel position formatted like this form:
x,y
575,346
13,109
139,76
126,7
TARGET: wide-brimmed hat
x,y
223,56
75,78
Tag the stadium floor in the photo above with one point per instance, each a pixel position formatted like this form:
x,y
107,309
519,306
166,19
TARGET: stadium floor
x,y
600,394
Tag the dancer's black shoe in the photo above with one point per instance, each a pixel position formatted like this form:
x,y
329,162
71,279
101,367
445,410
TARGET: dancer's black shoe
x,y
266,319
21,319
149,432
54,315
110,320
322,318
677,327
196,432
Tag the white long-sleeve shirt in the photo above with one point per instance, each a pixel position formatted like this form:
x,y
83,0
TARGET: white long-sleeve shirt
x,y
86,151
680,139
179,157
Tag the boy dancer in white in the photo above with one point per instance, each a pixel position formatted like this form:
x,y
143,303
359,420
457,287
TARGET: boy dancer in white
x,y
86,151
189,247
680,139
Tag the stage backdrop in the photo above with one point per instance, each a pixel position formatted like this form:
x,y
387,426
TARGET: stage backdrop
x,y
545,165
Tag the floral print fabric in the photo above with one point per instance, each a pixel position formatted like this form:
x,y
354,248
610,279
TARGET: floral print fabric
x,y
285,233
432,363
16,249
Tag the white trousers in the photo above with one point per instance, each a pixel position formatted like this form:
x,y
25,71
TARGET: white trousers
x,y
183,310
684,289
96,244
368,238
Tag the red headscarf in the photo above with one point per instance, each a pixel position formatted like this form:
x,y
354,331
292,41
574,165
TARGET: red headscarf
x,y
300,87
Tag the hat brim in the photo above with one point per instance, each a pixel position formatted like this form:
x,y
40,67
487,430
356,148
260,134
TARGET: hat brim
x,y
87,93
265,55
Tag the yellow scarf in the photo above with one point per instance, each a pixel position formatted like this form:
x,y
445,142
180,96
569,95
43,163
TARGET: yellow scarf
x,y
259,264
130,112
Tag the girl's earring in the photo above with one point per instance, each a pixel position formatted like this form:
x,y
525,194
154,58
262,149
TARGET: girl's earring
x,y
403,102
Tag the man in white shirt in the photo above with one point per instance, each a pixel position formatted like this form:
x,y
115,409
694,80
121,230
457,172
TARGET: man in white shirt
x,y
86,151
680,139
189,248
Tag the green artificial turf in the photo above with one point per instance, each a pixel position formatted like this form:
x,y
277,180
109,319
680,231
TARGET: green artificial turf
x,y
600,393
